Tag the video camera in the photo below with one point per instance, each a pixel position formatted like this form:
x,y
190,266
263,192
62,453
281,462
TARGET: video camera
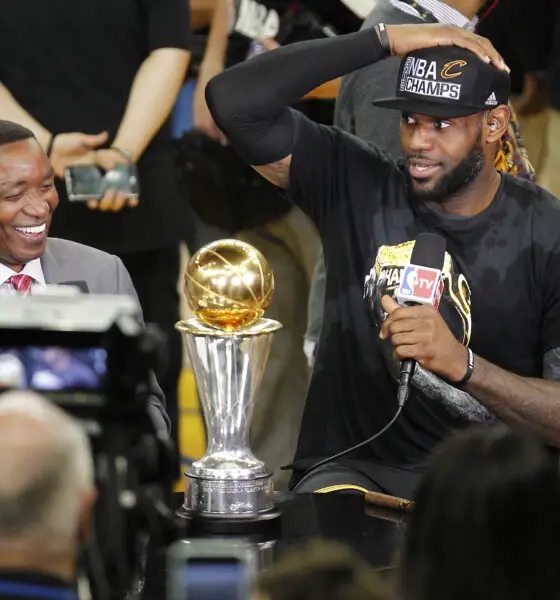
x,y
89,354
93,356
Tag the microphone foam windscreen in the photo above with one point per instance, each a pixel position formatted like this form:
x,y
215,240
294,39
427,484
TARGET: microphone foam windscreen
x,y
429,251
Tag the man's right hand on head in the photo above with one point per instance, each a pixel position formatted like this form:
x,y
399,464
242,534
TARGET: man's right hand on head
x,y
407,38
74,149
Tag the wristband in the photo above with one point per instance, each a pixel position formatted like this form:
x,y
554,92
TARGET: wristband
x,y
470,369
124,153
50,146
384,38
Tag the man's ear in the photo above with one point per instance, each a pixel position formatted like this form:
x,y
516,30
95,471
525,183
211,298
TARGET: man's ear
x,y
497,121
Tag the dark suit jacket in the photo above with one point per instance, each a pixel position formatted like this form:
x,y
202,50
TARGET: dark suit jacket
x,y
102,273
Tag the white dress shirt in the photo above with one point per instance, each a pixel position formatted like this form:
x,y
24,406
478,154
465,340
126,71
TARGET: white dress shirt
x,y
442,12
32,268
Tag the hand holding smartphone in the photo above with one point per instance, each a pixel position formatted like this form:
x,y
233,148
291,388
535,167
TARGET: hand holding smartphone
x,y
86,182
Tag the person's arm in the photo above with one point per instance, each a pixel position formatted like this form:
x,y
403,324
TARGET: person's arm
x,y
11,110
521,401
212,63
250,101
420,333
151,99
154,89
66,148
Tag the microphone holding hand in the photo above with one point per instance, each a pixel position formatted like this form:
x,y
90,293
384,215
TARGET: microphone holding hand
x,y
416,329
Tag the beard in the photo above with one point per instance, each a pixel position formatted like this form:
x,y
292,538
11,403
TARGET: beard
x,y
450,183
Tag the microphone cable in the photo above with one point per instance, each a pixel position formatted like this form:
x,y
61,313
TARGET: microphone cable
x,y
370,439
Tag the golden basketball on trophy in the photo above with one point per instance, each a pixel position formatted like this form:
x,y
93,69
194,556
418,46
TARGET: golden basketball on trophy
x,y
228,285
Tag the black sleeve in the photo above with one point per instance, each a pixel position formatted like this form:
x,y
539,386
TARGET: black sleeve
x,y
334,174
250,101
167,23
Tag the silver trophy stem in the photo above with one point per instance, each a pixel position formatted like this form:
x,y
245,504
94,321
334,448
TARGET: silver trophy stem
x,y
228,369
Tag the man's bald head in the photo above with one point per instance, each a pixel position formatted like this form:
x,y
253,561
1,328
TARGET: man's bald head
x,y
46,472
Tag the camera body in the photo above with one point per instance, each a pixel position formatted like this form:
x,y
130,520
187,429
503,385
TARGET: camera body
x,y
89,354
93,356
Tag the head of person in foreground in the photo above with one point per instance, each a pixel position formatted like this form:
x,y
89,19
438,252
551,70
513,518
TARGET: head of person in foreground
x,y
46,486
321,570
486,521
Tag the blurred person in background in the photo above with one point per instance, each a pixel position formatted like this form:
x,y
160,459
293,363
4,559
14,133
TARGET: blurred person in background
x,y
486,521
550,172
93,80
356,113
190,112
47,495
522,31
321,570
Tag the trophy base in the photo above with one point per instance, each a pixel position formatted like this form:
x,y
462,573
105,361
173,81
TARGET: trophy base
x,y
264,525
232,498
229,507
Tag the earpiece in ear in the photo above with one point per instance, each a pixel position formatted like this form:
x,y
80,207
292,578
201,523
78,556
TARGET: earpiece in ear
x,y
494,125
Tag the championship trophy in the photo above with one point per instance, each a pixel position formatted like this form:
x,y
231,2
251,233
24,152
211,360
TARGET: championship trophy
x,y
228,285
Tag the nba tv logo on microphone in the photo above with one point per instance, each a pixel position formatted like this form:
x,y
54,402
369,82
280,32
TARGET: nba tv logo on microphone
x,y
420,285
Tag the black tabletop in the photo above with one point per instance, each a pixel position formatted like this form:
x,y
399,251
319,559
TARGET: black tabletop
x,y
372,532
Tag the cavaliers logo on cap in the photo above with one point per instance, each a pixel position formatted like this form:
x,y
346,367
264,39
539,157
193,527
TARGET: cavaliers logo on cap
x,y
447,71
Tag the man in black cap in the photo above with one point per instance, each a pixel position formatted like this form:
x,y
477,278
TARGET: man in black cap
x,y
493,349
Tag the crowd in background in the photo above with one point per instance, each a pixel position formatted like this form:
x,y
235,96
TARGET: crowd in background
x,y
148,99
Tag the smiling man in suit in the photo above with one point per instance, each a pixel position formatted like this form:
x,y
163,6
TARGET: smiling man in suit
x,y
29,259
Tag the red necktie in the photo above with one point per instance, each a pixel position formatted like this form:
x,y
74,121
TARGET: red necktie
x,y
22,283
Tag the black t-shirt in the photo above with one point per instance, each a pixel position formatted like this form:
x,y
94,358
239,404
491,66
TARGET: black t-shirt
x,y
71,66
502,292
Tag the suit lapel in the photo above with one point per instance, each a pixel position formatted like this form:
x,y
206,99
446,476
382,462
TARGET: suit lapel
x,y
55,274
52,270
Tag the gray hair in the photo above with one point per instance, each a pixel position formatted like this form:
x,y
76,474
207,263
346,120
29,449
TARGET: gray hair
x,y
46,467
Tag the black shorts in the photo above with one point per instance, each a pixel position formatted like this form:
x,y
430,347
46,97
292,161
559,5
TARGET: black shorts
x,y
360,476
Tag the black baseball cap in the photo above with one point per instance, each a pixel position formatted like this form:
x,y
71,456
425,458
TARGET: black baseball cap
x,y
447,81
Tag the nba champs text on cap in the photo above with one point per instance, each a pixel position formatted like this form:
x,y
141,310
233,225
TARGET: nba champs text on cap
x,y
420,77
447,81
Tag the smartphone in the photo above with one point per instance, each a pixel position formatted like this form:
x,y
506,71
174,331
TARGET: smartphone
x,y
211,569
89,182
83,182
